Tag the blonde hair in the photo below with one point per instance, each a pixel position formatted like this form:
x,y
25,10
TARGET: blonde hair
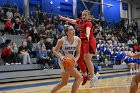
x,y
88,12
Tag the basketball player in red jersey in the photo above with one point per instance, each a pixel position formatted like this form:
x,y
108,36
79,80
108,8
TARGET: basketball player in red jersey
x,y
135,79
88,45
69,45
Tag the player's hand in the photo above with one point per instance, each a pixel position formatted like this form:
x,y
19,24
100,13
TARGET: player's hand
x,y
61,17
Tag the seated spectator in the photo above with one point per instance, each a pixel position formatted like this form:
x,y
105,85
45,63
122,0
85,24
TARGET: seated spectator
x,y
8,27
34,34
16,14
60,27
136,47
30,47
23,53
3,38
9,14
17,27
48,44
43,58
107,53
6,55
1,14
14,54
39,45
3,41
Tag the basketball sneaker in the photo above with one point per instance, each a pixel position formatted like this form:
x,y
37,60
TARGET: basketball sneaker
x,y
85,79
92,81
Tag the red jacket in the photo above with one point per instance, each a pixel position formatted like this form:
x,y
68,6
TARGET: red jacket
x,y
136,48
8,25
5,52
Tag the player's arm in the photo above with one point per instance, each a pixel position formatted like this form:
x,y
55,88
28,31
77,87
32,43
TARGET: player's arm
x,y
78,50
72,21
88,32
57,48
134,56
88,28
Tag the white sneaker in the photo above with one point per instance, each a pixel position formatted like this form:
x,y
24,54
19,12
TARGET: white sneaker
x,y
7,64
92,81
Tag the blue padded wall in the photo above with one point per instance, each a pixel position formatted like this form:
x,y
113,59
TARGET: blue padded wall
x,y
80,7
112,14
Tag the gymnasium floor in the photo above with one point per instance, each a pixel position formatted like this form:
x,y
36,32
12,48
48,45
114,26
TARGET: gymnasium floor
x,y
108,83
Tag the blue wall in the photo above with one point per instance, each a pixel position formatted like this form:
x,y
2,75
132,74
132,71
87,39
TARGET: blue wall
x,y
58,6
18,2
112,14
61,7
80,7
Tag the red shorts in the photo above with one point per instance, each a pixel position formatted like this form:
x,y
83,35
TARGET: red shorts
x,y
85,46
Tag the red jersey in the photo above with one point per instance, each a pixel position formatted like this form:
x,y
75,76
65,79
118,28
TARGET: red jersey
x,y
82,25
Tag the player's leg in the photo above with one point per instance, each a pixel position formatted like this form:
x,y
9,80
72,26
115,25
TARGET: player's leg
x,y
63,82
82,67
78,79
134,83
88,58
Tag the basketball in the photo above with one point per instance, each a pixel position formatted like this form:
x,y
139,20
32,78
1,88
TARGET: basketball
x,y
68,63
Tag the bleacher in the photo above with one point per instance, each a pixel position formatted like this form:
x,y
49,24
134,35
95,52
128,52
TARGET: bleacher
x,y
20,72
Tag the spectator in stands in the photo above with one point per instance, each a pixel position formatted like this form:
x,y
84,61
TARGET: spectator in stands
x,y
39,45
30,45
16,14
136,48
6,6
60,27
9,14
14,54
3,38
40,16
14,7
29,22
48,44
8,27
130,42
24,27
23,53
56,37
49,30
6,55
34,34
1,14
45,16
43,58
17,26
99,35
42,32
38,8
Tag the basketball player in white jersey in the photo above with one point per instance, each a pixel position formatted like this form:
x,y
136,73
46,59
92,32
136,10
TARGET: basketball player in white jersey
x,y
70,45
135,79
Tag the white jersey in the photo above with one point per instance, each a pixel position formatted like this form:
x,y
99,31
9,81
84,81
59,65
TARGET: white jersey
x,y
69,49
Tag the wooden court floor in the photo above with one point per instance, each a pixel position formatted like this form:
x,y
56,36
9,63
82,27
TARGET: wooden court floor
x,y
108,83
